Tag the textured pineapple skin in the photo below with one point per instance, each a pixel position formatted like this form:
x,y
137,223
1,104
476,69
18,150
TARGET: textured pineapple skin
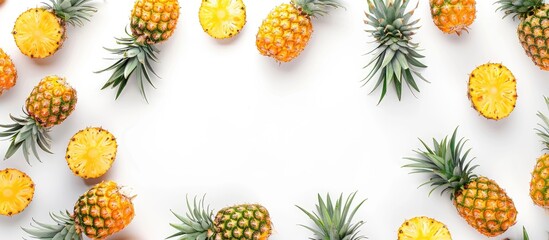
x,y
539,185
154,21
241,222
285,33
453,16
486,207
103,211
8,73
51,101
533,34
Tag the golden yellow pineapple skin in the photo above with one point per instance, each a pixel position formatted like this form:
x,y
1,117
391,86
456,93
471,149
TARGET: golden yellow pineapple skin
x,y
102,211
533,33
421,228
38,33
242,222
453,16
539,185
154,21
91,152
16,191
51,101
8,73
486,207
285,33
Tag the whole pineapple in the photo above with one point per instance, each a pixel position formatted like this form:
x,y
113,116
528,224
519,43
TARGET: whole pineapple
x,y
151,22
286,31
91,152
49,104
533,30
243,222
396,58
453,16
40,32
16,191
539,185
99,213
420,228
8,73
335,222
479,200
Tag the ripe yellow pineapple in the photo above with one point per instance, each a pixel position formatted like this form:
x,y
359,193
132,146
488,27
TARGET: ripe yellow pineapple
x,y
40,32
479,200
151,22
91,152
244,222
49,104
420,228
285,32
335,221
493,90
539,185
99,213
453,16
222,18
8,73
16,191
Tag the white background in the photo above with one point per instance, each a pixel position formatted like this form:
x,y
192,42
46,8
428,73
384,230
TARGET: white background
x,y
238,126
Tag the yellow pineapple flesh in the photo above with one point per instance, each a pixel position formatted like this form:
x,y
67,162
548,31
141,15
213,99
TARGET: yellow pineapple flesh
x,y
8,73
102,211
16,191
38,33
222,18
493,90
423,228
91,152
51,101
453,16
154,21
284,34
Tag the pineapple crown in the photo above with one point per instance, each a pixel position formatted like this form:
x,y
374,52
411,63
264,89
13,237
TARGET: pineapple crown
x,y
543,130
132,56
73,12
335,222
396,56
64,228
25,132
447,165
316,8
196,224
520,8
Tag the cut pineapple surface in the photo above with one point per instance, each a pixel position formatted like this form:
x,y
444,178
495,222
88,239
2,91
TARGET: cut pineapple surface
x,y
16,191
38,33
222,18
91,152
423,228
493,90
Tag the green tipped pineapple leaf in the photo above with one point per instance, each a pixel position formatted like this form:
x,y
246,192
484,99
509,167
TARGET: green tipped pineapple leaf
x,y
196,222
73,12
543,130
518,8
63,229
24,133
317,8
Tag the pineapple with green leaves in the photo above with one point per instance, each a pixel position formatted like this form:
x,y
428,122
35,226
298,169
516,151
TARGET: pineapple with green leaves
x,y
396,58
539,185
239,222
335,222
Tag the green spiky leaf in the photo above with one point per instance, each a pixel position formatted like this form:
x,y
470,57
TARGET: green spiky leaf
x,y
194,225
316,8
518,8
63,229
543,130
73,12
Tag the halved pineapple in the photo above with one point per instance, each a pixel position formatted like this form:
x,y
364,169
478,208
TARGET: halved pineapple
x,y
91,152
16,191
493,90
38,33
222,18
423,228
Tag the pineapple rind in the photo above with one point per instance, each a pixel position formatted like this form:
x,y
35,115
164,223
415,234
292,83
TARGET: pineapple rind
x,y
16,191
243,222
533,33
51,101
154,21
8,72
453,16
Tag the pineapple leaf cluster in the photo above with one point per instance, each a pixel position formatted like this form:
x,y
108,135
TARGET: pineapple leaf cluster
x,y
316,8
131,57
396,57
334,222
63,229
196,222
543,130
520,8
26,133
446,163
73,12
